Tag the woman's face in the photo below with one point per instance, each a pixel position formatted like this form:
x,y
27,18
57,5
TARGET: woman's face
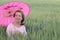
x,y
18,17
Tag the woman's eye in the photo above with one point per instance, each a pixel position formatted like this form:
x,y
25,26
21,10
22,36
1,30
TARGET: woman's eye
x,y
19,16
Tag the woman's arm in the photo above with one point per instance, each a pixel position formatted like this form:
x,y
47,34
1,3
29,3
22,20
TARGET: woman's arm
x,y
8,31
25,32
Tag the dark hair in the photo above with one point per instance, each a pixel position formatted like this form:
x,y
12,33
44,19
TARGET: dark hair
x,y
22,16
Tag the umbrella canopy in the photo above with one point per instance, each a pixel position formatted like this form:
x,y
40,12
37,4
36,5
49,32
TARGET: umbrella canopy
x,y
8,9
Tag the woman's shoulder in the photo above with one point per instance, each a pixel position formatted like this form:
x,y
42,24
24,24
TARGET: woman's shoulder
x,y
22,26
10,25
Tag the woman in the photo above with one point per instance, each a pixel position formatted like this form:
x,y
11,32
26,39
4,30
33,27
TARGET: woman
x,y
17,26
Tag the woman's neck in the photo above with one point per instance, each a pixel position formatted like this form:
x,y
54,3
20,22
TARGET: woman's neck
x,y
17,23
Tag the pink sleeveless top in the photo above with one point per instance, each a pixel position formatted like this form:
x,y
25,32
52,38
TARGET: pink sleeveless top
x,y
11,29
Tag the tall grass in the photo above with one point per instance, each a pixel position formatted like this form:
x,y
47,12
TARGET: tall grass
x,y
43,22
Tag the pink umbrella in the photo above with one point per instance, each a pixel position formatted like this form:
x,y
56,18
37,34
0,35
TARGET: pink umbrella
x,y
7,10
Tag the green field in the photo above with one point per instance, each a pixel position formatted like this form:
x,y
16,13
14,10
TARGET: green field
x,y
43,22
